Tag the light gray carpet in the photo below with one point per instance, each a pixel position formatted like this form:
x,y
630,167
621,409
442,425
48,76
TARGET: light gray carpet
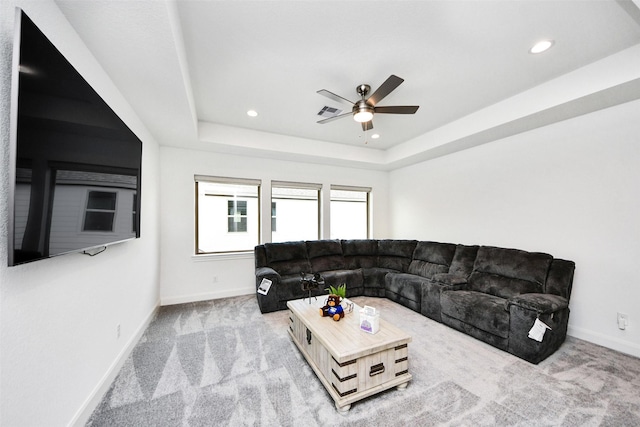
x,y
223,363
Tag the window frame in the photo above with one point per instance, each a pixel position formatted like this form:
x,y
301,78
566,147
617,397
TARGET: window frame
x,y
230,181
92,210
302,186
366,190
237,213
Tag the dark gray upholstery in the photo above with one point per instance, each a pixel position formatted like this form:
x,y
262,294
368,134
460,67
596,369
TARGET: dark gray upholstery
x,y
287,258
325,255
493,294
374,281
395,254
360,253
455,279
405,289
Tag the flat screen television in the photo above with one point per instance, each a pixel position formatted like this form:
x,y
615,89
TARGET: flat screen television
x,y
75,166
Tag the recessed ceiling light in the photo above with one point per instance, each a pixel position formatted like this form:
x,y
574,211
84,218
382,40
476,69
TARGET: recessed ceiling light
x,y
541,46
375,136
252,113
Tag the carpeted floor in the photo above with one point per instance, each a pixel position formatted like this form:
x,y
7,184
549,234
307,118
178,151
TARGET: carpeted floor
x,y
223,363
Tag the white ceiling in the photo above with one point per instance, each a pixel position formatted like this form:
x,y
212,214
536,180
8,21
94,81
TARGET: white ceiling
x,y
191,69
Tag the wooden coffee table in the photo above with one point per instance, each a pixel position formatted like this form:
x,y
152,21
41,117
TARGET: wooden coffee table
x,y
350,363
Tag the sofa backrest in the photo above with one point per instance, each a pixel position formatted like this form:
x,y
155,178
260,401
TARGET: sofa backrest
x,y
260,256
325,255
560,278
395,254
463,260
288,258
360,253
431,258
509,272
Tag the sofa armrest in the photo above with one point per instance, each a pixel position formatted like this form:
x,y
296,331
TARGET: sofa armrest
x,y
266,272
267,303
524,309
539,303
451,281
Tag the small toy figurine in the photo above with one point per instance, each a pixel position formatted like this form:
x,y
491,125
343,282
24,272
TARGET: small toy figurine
x,y
332,308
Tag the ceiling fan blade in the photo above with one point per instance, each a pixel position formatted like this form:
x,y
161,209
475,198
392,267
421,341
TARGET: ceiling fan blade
x,y
367,125
330,119
398,109
335,97
385,89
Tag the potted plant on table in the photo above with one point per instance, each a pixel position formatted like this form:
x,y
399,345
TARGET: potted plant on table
x,y
340,291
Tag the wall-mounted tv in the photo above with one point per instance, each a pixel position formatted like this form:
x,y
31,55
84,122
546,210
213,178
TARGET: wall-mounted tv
x,y
75,166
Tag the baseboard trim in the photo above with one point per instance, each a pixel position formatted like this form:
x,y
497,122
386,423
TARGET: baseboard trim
x,y
205,296
617,344
82,416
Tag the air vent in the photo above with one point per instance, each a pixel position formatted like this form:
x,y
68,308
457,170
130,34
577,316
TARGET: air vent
x,y
329,112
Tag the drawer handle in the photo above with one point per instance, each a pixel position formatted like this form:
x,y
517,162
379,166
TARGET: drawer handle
x,y
308,337
376,369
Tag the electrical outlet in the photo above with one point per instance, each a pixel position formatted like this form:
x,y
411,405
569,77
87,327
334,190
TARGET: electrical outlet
x,y
118,331
623,321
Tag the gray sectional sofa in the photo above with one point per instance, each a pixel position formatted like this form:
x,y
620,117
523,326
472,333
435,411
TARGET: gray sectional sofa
x,y
493,294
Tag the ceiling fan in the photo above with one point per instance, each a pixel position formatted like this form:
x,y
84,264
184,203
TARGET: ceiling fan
x,y
364,109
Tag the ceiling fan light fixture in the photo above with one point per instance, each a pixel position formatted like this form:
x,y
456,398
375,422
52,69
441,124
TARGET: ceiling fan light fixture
x,y
362,112
363,116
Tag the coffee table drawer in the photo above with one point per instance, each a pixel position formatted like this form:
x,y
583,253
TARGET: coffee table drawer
x,y
369,371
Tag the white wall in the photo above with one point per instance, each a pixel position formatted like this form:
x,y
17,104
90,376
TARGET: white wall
x,y
186,278
571,189
58,317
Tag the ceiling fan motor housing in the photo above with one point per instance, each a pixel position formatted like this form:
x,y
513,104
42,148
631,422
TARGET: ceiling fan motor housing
x,y
362,112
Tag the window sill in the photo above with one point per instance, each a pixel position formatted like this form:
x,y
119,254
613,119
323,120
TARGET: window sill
x,y
222,256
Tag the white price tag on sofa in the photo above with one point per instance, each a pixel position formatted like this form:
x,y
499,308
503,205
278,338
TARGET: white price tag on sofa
x,y
264,286
538,330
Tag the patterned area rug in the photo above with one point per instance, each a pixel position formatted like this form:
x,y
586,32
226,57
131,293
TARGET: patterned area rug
x,y
223,363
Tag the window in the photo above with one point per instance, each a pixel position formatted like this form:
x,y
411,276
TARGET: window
x,y
237,221
274,223
349,212
227,214
298,216
100,212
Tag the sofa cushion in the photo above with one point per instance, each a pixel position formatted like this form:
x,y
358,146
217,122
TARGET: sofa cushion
x,y
463,260
405,289
426,269
325,255
335,278
500,286
395,254
374,279
287,258
483,311
360,253
431,258
290,288
509,272
515,263
560,278
407,285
